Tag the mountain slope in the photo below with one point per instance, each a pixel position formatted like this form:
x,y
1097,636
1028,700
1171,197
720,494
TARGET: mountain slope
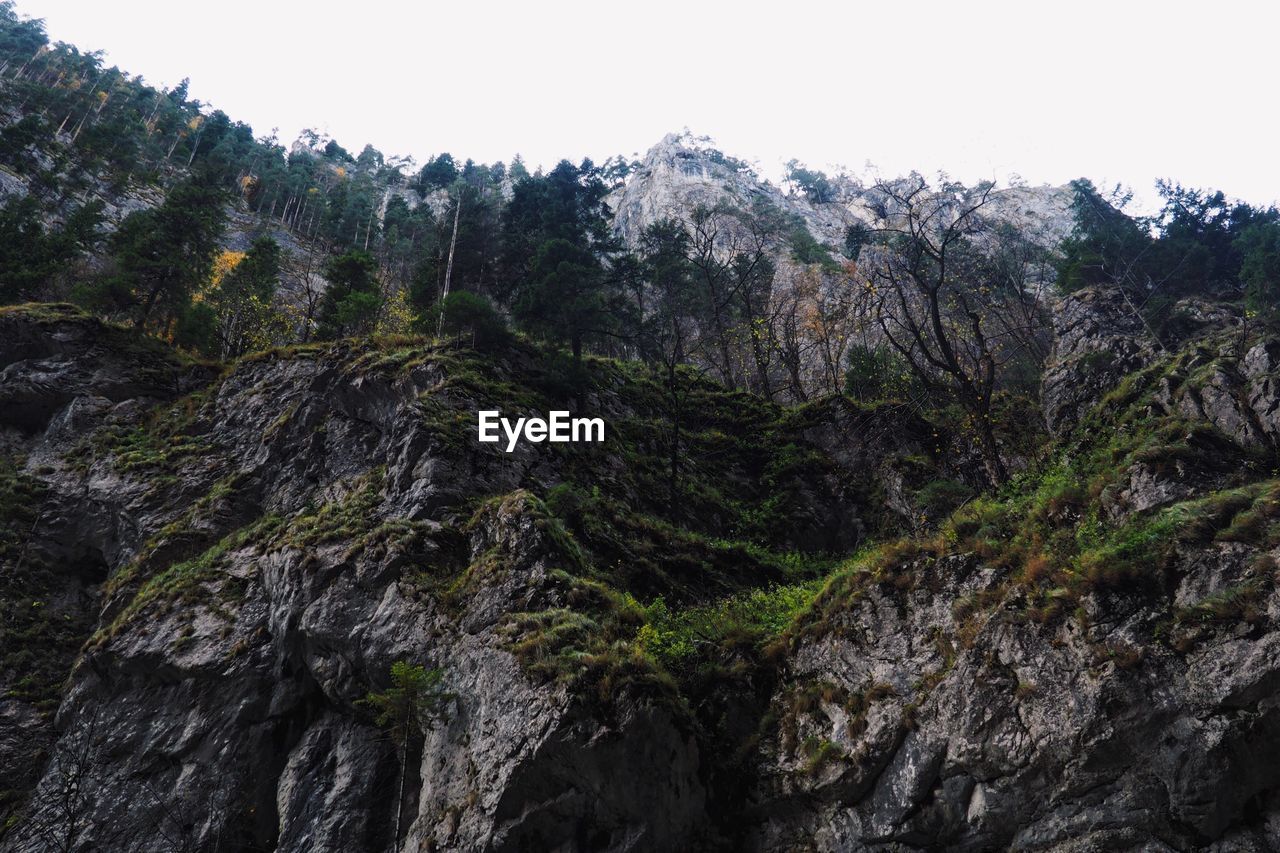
x,y
1084,661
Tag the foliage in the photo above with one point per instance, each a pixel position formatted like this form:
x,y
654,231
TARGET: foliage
x,y
414,700
33,261
162,257
472,318
556,238
815,186
242,302
1259,248
1200,243
757,616
1104,241
350,305
877,373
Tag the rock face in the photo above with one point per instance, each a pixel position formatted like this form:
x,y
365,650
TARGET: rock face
x,y
1098,340
936,734
268,547
234,561
681,173
942,698
269,582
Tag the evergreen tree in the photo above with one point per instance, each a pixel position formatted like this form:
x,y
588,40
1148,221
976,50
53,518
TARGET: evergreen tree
x,y
1105,246
243,301
406,709
439,173
350,306
1259,248
163,256
32,261
557,241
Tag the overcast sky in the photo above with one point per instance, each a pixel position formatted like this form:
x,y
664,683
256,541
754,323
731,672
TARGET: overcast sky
x,y
1117,91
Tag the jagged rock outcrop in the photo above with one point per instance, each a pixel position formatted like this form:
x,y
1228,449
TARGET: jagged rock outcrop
x,y
1098,340
1090,665
981,692
62,377
913,728
682,172
267,548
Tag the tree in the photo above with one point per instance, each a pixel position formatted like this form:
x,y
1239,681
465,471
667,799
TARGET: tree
x,y
557,240
876,373
350,305
475,248
65,807
32,260
439,173
665,331
243,301
412,704
934,302
815,186
564,297
731,251
163,256
302,274
1259,248
469,316
1105,245
1195,246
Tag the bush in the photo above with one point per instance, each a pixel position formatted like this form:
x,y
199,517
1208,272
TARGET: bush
x,y
938,498
876,373
469,315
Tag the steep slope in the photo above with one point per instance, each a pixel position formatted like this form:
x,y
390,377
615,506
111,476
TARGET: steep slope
x,y
1084,661
270,544
1088,661
681,173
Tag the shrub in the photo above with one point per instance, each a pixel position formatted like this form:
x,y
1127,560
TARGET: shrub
x,y
471,317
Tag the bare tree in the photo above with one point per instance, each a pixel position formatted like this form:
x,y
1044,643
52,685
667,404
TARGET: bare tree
x,y
63,809
731,252
301,272
938,301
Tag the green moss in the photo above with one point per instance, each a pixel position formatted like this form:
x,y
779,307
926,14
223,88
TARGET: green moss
x,y
1052,531
352,518
38,636
1234,604
819,752
197,581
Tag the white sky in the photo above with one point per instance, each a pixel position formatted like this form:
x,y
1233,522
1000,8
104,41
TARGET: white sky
x,y
1123,90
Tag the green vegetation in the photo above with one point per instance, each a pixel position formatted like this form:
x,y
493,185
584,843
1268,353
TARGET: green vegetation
x,y
350,306
680,560
161,257
414,701
749,619
1062,532
1200,243
158,446
557,241
187,583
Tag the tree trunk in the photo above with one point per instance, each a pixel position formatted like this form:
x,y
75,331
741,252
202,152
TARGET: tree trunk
x,y
448,272
404,759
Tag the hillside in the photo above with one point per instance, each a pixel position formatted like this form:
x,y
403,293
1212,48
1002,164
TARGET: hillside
x,y
896,513
1082,658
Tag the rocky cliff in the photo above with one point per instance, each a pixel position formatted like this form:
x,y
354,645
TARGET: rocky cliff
x,y
207,570
682,172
